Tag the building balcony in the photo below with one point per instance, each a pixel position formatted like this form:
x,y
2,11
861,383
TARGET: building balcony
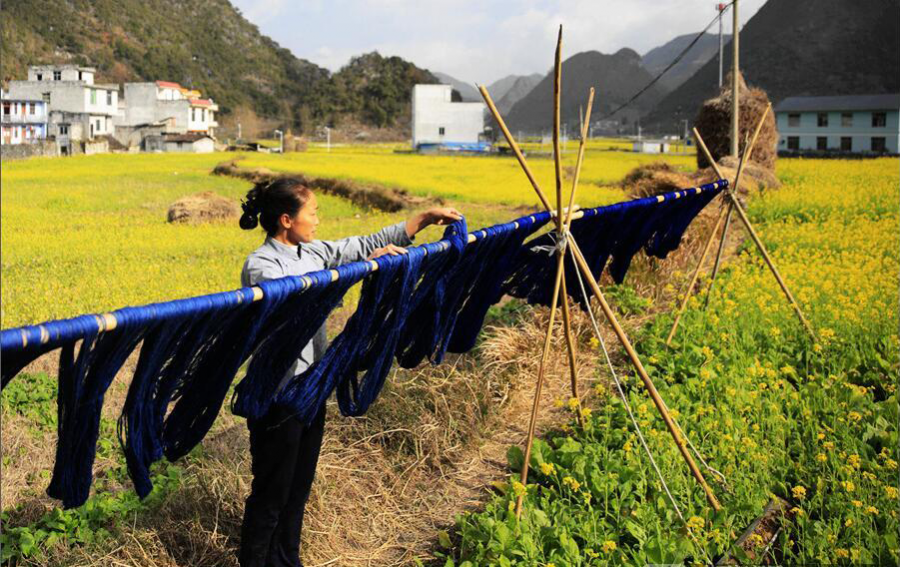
x,y
23,119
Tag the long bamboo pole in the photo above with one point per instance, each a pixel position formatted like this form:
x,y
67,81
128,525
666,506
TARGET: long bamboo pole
x,y
719,253
515,148
645,378
585,125
748,150
690,287
756,240
557,158
540,381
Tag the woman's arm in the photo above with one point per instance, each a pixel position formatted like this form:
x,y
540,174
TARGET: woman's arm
x,y
389,240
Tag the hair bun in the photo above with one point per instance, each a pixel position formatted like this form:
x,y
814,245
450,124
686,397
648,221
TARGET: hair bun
x,y
249,220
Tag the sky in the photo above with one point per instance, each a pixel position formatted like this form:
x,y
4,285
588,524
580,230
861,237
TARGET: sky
x,y
477,40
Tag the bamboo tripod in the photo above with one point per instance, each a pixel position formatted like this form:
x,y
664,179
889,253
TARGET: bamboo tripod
x,y
732,206
567,244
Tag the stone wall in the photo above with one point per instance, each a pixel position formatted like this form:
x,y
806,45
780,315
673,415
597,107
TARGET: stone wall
x,y
46,148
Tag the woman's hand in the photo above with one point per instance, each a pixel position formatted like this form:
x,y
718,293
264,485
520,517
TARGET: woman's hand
x,y
437,215
390,249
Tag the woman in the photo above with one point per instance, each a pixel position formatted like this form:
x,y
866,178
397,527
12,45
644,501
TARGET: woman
x,y
284,452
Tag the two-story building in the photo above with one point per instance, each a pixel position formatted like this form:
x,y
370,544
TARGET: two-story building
x,y
147,106
848,124
74,102
22,121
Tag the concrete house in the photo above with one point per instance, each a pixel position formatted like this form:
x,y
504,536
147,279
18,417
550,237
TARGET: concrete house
x,y
22,121
78,109
178,110
439,123
848,124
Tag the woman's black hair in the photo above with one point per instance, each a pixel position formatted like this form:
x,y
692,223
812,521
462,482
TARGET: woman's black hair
x,y
268,200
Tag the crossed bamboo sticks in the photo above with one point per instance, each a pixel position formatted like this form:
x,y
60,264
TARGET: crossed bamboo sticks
x,y
568,244
733,205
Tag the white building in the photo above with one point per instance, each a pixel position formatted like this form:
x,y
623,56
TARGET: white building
x,y
437,122
152,103
70,93
23,121
651,146
845,124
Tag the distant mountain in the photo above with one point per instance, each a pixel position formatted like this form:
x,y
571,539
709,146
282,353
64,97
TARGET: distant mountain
x,y
791,48
658,58
616,78
518,90
208,45
499,88
466,91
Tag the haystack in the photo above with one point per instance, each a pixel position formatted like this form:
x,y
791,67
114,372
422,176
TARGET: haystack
x,y
203,207
653,179
714,124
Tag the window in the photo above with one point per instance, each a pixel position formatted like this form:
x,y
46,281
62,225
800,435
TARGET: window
x,y
109,98
93,96
793,120
193,115
6,109
879,119
847,119
878,144
40,77
79,75
63,130
98,125
57,75
821,143
794,143
31,108
441,131
203,115
822,119
846,144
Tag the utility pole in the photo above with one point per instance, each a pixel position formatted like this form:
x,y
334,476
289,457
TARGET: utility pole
x,y
239,133
685,137
735,69
328,139
721,9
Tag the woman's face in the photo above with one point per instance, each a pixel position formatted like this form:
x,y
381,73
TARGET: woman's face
x,y
302,227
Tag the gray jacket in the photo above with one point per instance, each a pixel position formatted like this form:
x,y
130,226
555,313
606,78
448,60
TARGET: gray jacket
x,y
275,260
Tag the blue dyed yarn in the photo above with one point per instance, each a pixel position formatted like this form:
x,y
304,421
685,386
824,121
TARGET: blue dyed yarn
x,y
616,231
83,381
479,277
289,322
373,327
430,305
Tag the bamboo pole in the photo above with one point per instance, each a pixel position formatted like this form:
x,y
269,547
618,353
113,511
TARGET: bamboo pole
x,y
570,347
756,240
515,148
748,150
540,381
557,158
581,147
645,378
719,253
689,289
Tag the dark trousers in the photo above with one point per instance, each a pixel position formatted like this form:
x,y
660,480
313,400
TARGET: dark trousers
x,y
285,454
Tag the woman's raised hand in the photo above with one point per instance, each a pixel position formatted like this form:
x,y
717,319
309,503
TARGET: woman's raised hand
x,y
437,215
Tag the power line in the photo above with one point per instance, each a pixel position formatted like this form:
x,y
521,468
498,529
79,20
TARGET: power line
x,y
672,64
